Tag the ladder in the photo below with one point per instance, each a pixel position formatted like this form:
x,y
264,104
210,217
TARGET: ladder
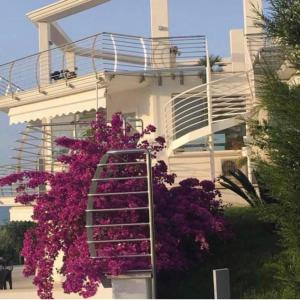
x,y
138,161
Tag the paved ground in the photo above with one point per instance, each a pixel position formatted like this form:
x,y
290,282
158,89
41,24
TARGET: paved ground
x,y
24,289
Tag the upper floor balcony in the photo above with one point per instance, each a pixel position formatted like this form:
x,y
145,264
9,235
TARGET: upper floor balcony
x,y
80,65
267,53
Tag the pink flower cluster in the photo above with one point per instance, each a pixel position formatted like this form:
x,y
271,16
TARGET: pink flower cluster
x,y
185,214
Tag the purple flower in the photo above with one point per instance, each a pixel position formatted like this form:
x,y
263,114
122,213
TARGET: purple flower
x,y
191,211
189,182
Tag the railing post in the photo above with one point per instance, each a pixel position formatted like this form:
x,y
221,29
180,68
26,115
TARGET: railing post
x,y
152,224
9,86
145,53
115,52
210,115
47,144
93,55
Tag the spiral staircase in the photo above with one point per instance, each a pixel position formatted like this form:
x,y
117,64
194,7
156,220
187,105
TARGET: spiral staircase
x,y
223,102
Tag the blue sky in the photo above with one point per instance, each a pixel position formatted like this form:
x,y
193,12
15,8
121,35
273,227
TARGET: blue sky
x,y
213,18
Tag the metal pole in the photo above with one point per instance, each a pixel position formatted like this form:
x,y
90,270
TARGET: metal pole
x,y
249,106
221,279
210,119
151,222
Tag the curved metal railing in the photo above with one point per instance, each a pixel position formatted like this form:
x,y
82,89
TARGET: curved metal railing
x,y
188,112
110,52
137,164
36,150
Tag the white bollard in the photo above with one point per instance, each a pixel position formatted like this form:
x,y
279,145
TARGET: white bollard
x,y
132,286
221,284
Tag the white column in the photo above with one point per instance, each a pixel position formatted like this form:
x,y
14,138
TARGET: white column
x,y
237,47
44,58
250,16
159,18
211,146
254,40
161,53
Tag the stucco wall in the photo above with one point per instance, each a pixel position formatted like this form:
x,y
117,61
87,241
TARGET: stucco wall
x,y
21,213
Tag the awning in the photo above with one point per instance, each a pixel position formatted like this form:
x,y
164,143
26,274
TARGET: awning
x,y
76,103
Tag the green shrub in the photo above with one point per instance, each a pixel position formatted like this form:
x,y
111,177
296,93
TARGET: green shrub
x,y
11,240
248,255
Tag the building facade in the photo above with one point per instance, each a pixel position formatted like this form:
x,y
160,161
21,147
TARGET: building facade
x,y
162,80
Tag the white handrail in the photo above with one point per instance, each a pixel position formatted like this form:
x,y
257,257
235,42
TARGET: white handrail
x,y
229,99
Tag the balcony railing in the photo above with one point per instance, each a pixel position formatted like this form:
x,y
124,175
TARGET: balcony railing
x,y
110,52
36,149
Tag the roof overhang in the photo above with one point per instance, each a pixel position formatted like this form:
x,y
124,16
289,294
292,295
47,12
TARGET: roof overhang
x,y
62,9
61,106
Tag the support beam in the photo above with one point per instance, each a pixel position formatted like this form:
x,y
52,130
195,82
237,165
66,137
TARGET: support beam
x,y
62,9
58,36
44,57
60,39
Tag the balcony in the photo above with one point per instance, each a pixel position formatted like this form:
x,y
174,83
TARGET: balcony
x,y
80,65
267,52
36,149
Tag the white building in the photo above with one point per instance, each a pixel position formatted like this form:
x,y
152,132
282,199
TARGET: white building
x,y
159,80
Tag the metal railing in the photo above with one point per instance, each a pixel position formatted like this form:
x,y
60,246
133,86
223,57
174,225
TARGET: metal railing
x,y
110,52
188,111
36,149
119,166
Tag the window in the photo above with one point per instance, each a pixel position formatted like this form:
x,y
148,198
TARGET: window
x,y
228,139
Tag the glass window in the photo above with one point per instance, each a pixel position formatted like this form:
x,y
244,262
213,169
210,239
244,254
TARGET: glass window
x,y
228,139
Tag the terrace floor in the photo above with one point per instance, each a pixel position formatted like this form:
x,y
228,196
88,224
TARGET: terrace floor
x,y
24,289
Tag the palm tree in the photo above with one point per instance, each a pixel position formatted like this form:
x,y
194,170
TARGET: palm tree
x,y
245,189
213,60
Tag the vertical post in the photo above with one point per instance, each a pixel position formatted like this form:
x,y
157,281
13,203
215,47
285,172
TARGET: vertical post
x,y
45,58
76,121
151,223
47,150
251,30
159,18
221,284
160,34
70,61
250,16
209,115
252,46
237,47
249,164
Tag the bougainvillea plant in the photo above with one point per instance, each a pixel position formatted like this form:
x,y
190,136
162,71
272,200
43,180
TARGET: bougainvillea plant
x,y
185,215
